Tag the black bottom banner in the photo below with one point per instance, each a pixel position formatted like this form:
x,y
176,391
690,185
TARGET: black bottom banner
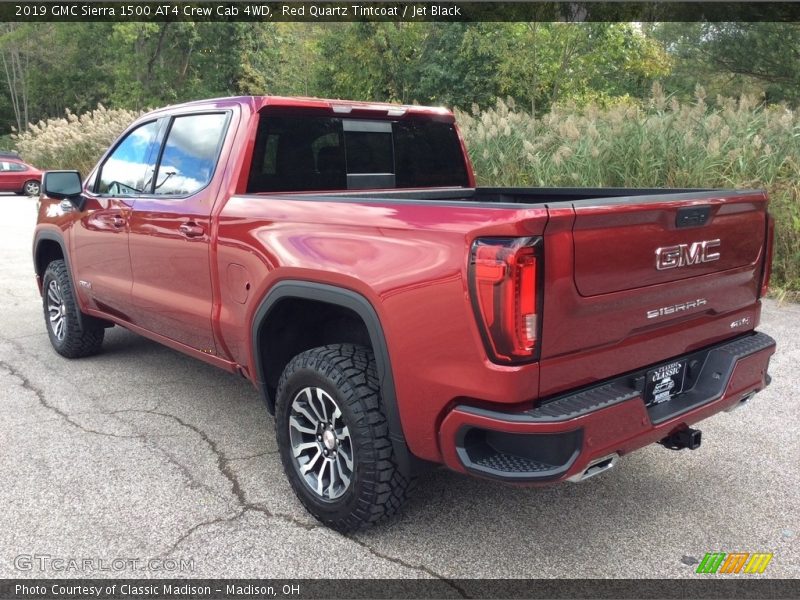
x,y
75,589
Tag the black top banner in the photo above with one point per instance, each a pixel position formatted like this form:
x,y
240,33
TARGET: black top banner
x,y
311,12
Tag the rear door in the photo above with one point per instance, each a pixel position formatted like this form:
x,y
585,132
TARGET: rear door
x,y
170,233
17,175
633,281
11,176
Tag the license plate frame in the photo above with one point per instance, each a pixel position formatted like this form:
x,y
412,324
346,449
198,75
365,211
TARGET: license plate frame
x,y
664,382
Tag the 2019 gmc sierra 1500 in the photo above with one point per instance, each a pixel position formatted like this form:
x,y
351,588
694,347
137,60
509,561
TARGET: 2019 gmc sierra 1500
x,y
390,313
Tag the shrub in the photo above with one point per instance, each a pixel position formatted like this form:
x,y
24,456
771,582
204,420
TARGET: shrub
x,y
73,142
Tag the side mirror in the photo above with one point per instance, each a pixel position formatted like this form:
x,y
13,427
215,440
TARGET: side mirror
x,y
63,185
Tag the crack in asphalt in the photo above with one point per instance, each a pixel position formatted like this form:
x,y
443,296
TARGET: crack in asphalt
x,y
260,454
191,481
222,461
408,565
40,397
224,468
193,528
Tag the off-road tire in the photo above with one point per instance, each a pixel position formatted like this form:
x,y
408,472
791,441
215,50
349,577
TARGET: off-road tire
x,y
378,487
82,336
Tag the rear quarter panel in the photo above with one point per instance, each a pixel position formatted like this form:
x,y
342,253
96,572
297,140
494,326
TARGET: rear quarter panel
x,y
408,260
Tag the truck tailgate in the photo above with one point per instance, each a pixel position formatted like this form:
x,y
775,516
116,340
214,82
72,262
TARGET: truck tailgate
x,y
621,245
630,283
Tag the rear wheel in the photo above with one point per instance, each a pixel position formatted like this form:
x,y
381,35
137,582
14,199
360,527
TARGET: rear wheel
x,y
334,438
70,335
31,188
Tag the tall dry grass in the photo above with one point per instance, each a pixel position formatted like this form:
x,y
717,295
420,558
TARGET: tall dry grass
x,y
659,143
74,141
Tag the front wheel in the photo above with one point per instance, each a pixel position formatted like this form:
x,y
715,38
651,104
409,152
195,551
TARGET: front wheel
x,y
334,438
70,335
32,188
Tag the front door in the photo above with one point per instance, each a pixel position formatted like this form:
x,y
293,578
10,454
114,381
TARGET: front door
x,y
100,259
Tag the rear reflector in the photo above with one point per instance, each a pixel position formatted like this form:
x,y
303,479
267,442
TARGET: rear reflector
x,y
504,281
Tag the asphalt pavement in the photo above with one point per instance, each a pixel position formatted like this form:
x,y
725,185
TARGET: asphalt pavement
x,y
143,453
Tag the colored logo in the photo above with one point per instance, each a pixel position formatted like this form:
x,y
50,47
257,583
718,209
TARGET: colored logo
x,y
735,562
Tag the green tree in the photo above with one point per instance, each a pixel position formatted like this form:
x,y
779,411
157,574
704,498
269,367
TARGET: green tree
x,y
545,63
732,59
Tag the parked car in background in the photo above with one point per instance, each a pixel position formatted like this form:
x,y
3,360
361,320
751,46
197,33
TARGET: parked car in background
x,y
17,176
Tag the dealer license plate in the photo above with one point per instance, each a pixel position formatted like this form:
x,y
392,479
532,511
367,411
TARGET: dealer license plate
x,y
664,383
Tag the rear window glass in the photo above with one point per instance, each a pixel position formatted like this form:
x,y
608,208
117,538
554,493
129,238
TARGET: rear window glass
x,y
310,153
369,152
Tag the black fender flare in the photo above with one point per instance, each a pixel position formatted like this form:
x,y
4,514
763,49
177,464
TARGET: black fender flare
x,y
55,237
357,303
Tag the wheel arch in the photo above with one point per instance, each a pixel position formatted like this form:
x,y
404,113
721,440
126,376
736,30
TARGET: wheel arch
x,y
341,298
49,246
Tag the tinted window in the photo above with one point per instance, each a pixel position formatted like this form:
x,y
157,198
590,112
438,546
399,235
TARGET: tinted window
x,y
308,153
129,169
190,154
369,152
298,153
428,154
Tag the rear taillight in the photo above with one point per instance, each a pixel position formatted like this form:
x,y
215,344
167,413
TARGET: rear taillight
x,y
504,281
767,269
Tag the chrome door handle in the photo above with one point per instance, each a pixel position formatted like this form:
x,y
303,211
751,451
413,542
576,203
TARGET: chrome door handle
x,y
191,230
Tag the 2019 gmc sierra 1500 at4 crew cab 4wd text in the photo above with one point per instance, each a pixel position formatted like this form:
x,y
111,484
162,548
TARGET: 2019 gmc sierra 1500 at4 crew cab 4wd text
x,y
392,314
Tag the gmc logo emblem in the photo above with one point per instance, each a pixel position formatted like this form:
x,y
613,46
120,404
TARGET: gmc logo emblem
x,y
683,255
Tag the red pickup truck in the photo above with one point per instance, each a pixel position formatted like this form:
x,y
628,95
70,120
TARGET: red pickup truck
x,y
392,314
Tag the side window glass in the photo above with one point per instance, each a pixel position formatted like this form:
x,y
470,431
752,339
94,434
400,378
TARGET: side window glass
x,y
17,167
4,166
190,154
129,169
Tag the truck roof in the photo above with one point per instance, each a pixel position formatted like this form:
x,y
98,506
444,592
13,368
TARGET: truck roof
x,y
343,107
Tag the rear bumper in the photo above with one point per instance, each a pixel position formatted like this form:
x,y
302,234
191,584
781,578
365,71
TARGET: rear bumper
x,y
566,435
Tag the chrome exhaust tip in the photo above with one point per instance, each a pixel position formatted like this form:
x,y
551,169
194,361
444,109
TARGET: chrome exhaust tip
x,y
600,465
